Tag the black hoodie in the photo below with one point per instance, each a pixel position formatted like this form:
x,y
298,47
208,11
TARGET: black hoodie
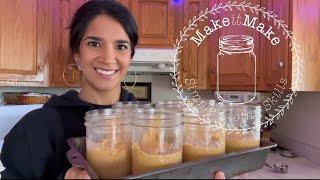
x,y
36,147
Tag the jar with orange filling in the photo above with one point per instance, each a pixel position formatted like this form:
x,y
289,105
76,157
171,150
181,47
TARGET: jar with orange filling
x,y
245,121
203,137
108,143
157,140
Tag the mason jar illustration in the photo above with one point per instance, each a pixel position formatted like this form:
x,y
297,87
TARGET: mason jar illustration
x,y
236,51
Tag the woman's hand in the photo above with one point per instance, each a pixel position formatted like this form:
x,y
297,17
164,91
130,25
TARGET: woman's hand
x,y
76,173
219,175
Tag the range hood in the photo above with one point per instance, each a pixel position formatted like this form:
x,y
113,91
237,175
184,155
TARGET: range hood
x,y
151,61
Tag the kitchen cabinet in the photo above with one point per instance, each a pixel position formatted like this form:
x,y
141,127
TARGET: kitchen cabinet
x,y
25,42
276,60
193,59
234,74
63,13
155,22
306,28
272,62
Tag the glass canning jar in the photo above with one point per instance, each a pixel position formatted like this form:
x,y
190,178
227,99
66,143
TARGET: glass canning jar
x,y
203,137
245,120
171,106
157,140
108,143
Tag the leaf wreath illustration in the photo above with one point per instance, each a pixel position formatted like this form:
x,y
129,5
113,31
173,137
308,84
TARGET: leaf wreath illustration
x,y
254,9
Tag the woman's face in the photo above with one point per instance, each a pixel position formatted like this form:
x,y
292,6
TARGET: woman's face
x,y
104,54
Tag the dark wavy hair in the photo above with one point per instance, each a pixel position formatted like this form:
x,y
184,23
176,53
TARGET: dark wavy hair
x,y
88,11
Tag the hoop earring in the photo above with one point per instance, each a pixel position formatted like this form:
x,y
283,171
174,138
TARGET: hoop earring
x,y
135,81
66,73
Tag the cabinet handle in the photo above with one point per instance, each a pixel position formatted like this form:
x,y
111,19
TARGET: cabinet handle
x,y
40,68
280,64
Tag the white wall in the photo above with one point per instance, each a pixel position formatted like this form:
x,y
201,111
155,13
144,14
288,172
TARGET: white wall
x,y
299,129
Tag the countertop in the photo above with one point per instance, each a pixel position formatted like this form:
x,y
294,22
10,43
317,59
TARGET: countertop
x,y
299,168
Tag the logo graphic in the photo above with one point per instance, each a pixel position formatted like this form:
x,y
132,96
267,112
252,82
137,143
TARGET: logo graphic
x,y
237,47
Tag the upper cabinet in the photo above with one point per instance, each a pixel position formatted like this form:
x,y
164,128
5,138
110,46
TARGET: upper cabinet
x,y
273,62
276,60
25,42
193,59
237,69
63,13
306,28
276,65
155,22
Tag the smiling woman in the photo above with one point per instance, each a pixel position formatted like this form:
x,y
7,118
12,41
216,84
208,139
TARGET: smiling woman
x,y
102,42
103,59
103,36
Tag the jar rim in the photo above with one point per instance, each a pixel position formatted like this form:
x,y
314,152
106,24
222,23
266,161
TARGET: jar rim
x,y
132,104
105,113
146,113
169,102
105,118
211,117
157,118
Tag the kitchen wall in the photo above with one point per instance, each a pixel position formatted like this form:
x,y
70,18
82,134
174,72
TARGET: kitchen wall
x,y
299,129
161,88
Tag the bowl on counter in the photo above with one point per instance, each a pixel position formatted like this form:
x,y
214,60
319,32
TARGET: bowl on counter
x,y
21,98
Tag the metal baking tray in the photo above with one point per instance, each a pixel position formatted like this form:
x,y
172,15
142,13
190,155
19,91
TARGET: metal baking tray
x,y
232,164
